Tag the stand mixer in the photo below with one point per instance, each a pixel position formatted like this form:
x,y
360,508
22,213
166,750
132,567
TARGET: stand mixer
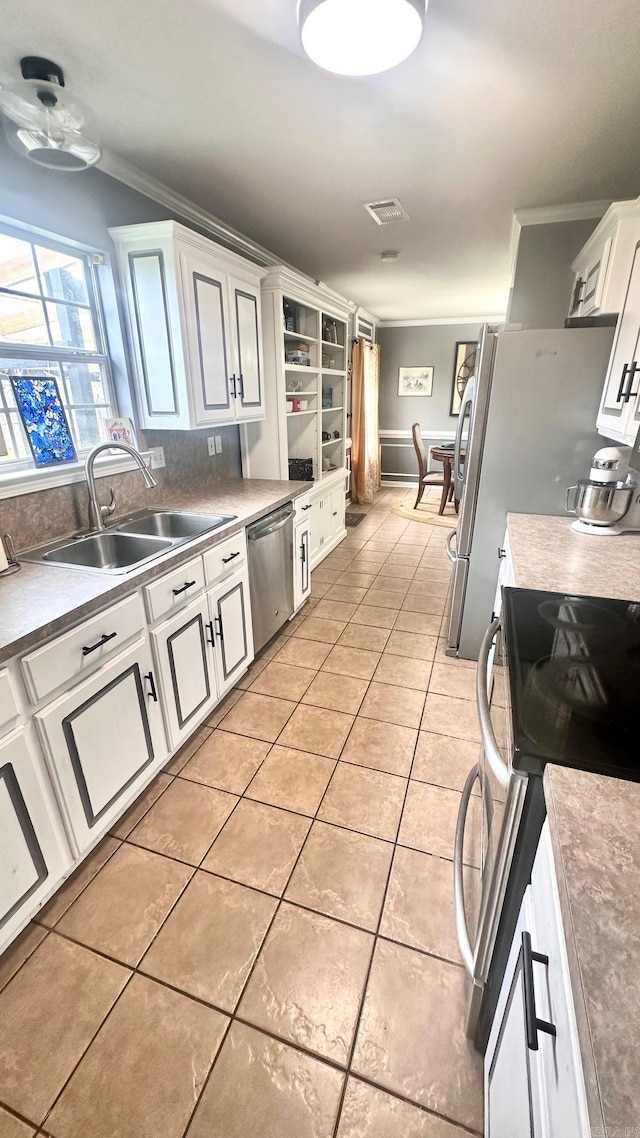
x,y
607,503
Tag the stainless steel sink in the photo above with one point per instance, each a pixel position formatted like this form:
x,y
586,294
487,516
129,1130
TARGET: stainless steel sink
x,y
172,524
110,552
130,542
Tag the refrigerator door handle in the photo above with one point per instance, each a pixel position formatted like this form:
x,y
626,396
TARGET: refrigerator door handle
x,y
458,464
447,545
462,930
489,741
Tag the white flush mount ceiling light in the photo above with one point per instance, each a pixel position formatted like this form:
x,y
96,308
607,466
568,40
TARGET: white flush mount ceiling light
x,y
44,123
360,37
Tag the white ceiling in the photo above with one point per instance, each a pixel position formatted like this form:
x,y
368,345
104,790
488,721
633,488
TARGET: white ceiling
x,y
506,104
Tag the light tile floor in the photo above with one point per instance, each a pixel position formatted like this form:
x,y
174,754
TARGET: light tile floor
x,y
264,947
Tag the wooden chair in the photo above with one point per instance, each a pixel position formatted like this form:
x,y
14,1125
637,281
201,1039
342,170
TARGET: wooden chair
x,y
426,479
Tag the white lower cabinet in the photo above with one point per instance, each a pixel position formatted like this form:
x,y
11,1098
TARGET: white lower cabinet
x,y
534,1086
301,563
230,614
184,654
34,853
103,739
327,520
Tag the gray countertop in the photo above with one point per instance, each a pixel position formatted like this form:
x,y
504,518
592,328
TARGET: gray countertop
x,y
595,834
42,600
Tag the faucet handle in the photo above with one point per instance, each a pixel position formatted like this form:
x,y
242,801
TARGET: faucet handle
x,y
107,510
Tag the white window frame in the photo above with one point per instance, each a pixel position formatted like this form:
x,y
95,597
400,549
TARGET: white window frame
x,y
22,476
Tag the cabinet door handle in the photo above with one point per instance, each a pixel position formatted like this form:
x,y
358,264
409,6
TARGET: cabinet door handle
x,y
335,513
502,553
629,394
103,640
623,377
226,560
152,687
183,588
241,385
209,627
303,554
577,294
218,623
534,1025
232,379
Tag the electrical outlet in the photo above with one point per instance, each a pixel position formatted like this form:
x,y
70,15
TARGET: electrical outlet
x,y
218,439
211,444
157,457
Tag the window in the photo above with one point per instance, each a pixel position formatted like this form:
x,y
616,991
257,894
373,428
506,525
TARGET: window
x,y
51,325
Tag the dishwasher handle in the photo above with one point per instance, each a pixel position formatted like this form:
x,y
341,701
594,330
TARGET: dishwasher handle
x,y
271,524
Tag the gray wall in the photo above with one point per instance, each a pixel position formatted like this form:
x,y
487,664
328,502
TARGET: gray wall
x,y
543,279
432,345
81,207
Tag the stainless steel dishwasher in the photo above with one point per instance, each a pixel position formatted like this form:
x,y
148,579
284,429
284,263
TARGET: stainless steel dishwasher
x,y
271,573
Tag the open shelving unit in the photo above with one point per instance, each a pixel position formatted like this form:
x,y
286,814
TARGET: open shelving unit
x,y
307,345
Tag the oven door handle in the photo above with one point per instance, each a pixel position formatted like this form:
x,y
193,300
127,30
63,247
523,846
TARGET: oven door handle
x,y
489,741
462,929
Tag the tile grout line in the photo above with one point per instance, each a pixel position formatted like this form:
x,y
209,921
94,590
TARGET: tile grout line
x,y
358,1019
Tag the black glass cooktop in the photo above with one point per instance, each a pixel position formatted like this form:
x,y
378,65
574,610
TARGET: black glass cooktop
x,y
574,676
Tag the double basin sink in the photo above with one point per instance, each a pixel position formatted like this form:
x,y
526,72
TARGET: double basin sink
x,y
129,542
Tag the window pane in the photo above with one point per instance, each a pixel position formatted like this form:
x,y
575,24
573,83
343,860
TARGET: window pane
x,y
16,265
71,327
22,321
11,425
83,387
62,275
88,426
85,383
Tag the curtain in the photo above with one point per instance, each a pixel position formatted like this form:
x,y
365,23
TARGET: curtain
x,y
365,443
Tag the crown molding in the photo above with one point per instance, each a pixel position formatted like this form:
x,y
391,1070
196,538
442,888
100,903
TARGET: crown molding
x,y
116,167
123,171
433,321
573,211
549,215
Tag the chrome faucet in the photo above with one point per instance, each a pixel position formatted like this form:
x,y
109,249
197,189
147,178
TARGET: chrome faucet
x,y
98,513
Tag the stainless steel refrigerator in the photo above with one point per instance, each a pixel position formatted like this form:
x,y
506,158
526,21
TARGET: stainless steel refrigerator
x,y
527,424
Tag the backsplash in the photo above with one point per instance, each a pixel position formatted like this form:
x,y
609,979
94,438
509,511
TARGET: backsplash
x,y
33,519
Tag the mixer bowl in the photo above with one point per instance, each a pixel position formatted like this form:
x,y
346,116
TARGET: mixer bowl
x,y
600,503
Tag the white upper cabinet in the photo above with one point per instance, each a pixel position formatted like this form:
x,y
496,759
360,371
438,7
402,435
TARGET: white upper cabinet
x,y
619,414
602,267
607,280
195,326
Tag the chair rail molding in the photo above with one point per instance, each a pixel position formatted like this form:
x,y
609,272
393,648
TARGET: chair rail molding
x,y
394,441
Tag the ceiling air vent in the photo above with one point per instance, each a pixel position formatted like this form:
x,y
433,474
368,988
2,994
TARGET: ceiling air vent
x,y
386,211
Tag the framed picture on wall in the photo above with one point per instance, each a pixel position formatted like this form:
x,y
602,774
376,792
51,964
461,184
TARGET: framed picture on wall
x,y
415,380
464,365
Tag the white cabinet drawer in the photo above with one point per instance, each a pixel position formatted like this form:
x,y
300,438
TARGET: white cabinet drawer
x,y
80,650
174,589
34,853
301,506
226,557
103,740
9,709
